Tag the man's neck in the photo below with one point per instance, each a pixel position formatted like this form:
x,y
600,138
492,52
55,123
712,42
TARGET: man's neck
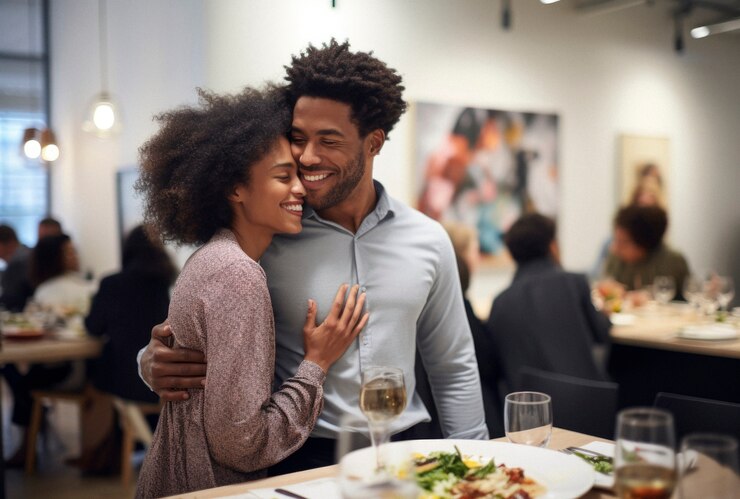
x,y
352,211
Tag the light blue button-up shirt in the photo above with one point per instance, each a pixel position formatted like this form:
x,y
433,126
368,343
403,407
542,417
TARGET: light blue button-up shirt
x,y
405,263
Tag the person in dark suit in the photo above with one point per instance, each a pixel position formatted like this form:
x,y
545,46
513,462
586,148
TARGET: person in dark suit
x,y
545,319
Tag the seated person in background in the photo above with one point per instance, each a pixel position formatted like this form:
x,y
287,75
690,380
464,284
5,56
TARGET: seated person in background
x,y
638,254
53,267
545,318
15,281
123,310
465,243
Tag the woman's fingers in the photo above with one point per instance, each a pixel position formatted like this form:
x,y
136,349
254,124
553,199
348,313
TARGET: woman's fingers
x,y
336,307
360,324
310,315
349,306
357,311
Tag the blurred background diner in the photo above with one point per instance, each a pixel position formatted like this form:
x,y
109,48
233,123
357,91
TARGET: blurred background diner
x,y
607,118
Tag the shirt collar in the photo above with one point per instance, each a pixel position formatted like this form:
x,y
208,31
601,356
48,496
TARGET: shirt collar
x,y
383,208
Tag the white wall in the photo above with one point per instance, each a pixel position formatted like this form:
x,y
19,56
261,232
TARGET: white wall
x,y
155,56
604,76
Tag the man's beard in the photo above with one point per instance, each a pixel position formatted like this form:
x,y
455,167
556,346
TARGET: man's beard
x,y
355,171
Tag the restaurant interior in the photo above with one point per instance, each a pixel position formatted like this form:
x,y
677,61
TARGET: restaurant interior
x,y
597,89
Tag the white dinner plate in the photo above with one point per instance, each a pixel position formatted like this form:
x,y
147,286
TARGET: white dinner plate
x,y
712,332
563,476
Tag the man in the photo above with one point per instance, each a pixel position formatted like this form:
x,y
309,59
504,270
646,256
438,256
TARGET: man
x,y
545,319
345,104
15,282
637,252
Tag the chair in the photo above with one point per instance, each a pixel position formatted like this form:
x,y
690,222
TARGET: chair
x,y
39,398
578,404
693,414
135,429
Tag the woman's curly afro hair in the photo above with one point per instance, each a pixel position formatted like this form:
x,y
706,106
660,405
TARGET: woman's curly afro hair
x,y
368,85
200,153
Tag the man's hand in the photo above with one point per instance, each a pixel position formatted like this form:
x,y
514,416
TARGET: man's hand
x,y
170,371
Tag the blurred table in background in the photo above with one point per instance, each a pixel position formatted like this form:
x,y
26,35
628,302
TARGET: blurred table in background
x,y
647,357
50,349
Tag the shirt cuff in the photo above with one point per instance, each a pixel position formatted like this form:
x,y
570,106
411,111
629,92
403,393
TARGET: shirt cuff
x,y
312,372
138,366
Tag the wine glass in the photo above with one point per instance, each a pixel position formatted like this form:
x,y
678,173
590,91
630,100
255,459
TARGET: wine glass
x,y
664,289
528,418
645,460
725,292
357,480
710,467
382,400
692,289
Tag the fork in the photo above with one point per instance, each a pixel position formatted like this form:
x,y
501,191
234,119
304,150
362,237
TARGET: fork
x,y
571,450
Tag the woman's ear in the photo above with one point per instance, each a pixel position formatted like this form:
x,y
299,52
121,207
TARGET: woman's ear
x,y
236,194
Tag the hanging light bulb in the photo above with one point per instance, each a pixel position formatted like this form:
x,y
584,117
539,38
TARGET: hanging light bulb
x,y
49,148
103,116
31,144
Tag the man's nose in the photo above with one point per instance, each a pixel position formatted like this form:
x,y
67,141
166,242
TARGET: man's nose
x,y
308,156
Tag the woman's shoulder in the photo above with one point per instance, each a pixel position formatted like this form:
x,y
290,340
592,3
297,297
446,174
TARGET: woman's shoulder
x,y
223,256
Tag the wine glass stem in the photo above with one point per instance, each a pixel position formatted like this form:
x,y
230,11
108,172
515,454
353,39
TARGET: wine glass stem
x,y
378,436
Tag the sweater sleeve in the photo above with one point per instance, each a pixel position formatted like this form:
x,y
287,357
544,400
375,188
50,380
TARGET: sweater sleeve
x,y
247,426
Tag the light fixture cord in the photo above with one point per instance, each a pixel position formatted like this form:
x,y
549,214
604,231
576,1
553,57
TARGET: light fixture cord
x,y
103,34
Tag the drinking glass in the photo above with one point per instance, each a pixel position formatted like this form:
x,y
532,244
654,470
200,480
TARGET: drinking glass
x,y
382,400
528,418
357,479
664,289
692,289
645,460
710,467
725,292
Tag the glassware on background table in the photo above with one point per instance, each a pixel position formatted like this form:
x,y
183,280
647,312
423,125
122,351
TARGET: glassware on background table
x,y
709,467
359,478
664,289
692,289
382,400
645,459
725,292
528,418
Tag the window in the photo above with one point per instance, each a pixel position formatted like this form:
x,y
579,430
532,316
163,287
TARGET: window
x,y
24,103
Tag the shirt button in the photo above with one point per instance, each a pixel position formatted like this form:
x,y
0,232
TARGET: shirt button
x,y
362,289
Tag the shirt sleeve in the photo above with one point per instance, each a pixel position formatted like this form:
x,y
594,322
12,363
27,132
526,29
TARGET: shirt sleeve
x,y
598,322
446,346
247,426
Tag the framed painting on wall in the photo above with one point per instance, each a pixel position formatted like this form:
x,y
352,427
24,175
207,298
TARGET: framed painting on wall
x,y
644,170
130,205
484,168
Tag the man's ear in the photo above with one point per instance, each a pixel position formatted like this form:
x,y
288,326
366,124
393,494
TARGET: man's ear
x,y
375,141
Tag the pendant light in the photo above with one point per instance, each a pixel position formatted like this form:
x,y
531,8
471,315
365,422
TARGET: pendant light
x,y
31,144
103,117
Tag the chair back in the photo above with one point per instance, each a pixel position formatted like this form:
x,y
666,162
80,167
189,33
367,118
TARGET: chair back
x,y
578,404
693,414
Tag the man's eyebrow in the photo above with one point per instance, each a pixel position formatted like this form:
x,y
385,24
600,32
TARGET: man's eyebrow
x,y
322,132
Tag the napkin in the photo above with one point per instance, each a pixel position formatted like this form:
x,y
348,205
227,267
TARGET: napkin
x,y
322,488
601,480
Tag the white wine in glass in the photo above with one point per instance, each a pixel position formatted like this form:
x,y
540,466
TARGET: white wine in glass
x,y
382,399
645,460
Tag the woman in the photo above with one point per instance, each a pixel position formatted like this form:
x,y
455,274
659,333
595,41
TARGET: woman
x,y
222,174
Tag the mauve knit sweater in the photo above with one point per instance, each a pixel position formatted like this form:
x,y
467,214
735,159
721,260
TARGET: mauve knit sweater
x,y
236,427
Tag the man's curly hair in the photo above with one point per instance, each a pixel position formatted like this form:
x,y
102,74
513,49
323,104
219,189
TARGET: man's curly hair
x,y
200,153
368,85
646,225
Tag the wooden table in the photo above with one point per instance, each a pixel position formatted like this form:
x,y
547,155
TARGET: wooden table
x,y
560,439
658,330
49,349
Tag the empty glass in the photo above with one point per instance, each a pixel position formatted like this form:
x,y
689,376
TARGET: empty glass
x,y
692,289
528,418
664,289
709,466
725,292
644,458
